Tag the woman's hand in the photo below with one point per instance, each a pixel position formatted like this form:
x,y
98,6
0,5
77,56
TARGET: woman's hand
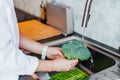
x,y
64,64
56,65
54,53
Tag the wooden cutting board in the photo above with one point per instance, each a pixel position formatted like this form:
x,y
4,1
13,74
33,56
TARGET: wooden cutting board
x,y
37,30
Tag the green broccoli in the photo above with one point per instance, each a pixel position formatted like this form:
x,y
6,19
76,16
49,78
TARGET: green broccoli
x,y
75,49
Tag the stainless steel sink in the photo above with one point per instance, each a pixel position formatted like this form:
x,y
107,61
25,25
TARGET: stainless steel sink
x,y
101,58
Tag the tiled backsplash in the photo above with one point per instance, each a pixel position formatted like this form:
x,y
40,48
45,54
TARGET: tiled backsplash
x,y
104,24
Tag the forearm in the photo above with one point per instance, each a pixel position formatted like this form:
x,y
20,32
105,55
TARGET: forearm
x,y
45,66
30,45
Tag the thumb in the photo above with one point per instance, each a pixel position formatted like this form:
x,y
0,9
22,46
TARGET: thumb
x,y
74,62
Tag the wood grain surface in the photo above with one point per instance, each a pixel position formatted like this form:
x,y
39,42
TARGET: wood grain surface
x,y
37,30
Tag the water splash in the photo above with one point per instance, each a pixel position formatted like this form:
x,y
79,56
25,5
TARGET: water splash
x,y
91,62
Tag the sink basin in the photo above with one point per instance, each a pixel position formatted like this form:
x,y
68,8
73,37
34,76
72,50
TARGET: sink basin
x,y
101,59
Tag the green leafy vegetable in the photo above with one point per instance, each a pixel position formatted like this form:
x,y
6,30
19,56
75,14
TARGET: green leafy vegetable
x,y
75,74
76,50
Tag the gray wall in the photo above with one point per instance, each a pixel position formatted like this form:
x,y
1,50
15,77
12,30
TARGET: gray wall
x,y
30,6
104,24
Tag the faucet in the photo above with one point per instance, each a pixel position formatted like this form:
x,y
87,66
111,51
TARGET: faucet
x,y
86,16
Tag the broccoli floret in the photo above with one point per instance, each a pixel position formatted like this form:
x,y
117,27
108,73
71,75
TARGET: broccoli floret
x,y
76,50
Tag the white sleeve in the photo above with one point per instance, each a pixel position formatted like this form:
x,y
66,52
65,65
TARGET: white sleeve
x,y
12,59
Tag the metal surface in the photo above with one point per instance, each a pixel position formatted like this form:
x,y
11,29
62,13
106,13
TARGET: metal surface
x,y
86,69
60,17
86,16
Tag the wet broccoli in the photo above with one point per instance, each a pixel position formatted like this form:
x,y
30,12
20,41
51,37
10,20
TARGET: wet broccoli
x,y
76,50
